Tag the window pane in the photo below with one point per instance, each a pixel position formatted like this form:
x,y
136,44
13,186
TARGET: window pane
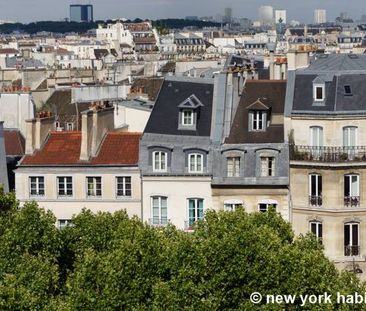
x,y
346,234
346,186
320,230
355,235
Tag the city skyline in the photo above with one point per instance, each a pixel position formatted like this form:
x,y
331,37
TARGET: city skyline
x,y
37,10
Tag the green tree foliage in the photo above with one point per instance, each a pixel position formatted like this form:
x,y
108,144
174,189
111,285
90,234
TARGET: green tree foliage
x,y
111,262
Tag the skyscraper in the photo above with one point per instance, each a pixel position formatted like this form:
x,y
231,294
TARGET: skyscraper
x,y
81,13
265,15
228,15
280,16
320,16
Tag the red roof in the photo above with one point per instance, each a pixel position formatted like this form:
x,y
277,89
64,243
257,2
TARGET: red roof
x,y
63,148
8,51
14,142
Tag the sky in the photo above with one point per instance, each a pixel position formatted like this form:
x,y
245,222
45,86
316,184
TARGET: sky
x,y
302,10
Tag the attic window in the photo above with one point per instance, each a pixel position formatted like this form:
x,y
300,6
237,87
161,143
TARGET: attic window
x,y
319,92
347,90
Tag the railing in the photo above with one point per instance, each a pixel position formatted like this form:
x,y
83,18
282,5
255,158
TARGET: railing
x,y
327,153
351,250
352,201
159,221
315,200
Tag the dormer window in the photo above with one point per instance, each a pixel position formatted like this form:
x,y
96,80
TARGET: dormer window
x,y
258,115
318,89
347,90
189,113
318,92
258,120
187,117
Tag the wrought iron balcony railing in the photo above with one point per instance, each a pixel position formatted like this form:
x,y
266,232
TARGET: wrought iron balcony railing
x,y
351,250
315,200
351,201
327,153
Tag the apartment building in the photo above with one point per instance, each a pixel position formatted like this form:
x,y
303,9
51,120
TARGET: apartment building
x,y
95,168
325,121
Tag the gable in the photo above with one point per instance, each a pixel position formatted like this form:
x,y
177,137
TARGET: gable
x,y
258,105
191,102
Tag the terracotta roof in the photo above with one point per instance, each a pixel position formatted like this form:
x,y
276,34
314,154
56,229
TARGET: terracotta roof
x,y
63,148
8,51
14,142
119,148
144,40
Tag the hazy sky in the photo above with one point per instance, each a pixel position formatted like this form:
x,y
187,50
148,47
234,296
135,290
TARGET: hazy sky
x,y
32,10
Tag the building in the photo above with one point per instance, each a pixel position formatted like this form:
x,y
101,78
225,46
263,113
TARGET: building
x,y
228,15
81,13
176,155
95,168
265,15
280,17
325,121
320,16
250,163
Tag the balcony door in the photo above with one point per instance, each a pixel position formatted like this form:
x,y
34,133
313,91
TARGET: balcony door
x,y
315,190
316,140
350,140
351,190
351,239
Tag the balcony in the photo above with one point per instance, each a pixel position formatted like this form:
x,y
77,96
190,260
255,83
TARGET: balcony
x,y
327,154
315,200
159,221
351,250
352,201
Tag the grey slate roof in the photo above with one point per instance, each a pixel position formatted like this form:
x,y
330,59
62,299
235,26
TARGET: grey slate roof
x,y
336,71
164,117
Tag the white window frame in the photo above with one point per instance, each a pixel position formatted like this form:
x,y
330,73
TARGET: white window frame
x,y
162,165
270,162
196,209
257,117
232,205
350,177
317,177
189,118
38,188
95,195
346,131
65,186
235,163
69,126
317,224
159,217
124,183
350,225
316,86
68,222
197,162
267,203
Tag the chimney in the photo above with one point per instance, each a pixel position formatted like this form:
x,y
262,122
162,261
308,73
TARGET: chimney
x,y
37,130
95,123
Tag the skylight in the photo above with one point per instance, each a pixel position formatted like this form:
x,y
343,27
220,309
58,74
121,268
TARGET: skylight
x,y
347,90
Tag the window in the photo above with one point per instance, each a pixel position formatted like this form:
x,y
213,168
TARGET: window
x,y
69,126
264,207
160,161
318,92
63,223
258,120
123,186
64,186
36,186
233,167
195,210
187,117
316,141
350,141
315,190
94,186
347,90
195,163
232,205
351,190
351,239
159,210
316,228
267,166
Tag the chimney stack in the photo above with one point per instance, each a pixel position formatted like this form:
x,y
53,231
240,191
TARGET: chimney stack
x,y
37,130
95,123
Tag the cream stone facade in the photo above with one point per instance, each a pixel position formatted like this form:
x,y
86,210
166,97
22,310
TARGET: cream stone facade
x,y
65,207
